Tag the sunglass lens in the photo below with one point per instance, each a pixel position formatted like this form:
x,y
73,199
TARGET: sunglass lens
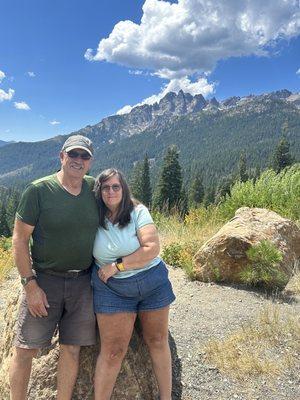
x,y
75,154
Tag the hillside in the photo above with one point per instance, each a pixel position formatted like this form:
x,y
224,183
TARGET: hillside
x,y
3,143
209,134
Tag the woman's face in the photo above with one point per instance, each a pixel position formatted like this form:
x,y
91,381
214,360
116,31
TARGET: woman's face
x,y
111,191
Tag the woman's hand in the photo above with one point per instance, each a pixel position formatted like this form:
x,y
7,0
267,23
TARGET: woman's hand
x,y
107,271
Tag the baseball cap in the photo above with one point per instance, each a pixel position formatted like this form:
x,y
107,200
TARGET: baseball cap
x,y
78,142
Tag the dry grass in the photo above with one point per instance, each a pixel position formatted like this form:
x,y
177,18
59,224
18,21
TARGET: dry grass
x,y
181,239
268,346
296,283
198,226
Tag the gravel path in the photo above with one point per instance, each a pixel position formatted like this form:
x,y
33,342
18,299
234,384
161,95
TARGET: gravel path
x,y
202,312
205,311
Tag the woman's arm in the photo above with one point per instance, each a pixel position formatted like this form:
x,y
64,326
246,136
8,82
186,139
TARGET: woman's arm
x,y
149,249
149,242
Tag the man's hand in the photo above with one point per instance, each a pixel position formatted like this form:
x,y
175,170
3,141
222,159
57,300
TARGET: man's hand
x,y
36,300
107,271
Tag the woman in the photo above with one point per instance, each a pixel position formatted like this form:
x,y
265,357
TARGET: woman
x,y
128,279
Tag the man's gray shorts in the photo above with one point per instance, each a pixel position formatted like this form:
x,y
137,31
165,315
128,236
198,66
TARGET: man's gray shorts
x,y
71,311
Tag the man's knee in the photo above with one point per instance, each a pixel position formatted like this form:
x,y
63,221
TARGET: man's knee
x,y
24,356
69,350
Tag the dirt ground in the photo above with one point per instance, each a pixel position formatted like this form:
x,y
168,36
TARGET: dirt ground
x,y
205,311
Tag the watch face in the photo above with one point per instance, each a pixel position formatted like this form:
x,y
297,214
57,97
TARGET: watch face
x,y
24,281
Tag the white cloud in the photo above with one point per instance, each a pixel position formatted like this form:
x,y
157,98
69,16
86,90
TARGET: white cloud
x,y
31,74
21,105
136,72
54,122
185,84
6,95
179,39
298,72
2,76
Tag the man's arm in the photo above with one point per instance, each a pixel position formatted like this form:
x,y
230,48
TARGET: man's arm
x,y
35,296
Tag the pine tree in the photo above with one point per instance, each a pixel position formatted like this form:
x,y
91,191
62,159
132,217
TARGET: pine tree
x,y
140,182
168,193
4,229
224,187
183,205
145,183
135,181
11,208
196,194
209,196
242,168
282,157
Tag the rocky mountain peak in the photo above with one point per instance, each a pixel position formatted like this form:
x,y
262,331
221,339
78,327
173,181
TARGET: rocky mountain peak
x,y
281,94
231,101
214,102
176,104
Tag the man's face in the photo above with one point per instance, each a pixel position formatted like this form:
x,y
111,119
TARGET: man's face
x,y
75,163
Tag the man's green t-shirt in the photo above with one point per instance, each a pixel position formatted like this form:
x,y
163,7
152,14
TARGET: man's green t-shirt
x,y
65,225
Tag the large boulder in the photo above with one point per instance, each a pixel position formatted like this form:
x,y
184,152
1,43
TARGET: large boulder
x,y
136,380
223,257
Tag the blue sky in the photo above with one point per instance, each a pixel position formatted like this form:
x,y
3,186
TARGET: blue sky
x,y
67,64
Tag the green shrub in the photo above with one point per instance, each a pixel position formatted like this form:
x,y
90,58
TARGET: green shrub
x,y
6,259
181,256
171,254
277,192
264,266
5,243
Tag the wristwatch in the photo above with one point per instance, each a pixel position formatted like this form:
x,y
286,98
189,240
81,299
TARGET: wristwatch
x,y
25,280
119,264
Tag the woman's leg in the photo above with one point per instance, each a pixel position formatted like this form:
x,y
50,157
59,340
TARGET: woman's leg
x,y
115,333
155,333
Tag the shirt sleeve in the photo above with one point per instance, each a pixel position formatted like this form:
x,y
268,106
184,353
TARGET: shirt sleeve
x,y
28,210
143,216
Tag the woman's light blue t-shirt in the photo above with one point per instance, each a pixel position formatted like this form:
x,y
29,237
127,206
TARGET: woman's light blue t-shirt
x,y
115,242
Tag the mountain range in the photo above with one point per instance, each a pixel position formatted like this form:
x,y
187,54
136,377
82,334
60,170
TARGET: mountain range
x,y
3,143
209,134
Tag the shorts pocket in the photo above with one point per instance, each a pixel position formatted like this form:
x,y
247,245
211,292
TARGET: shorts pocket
x,y
156,277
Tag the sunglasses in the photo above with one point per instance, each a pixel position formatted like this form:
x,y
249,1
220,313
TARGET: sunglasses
x,y
115,188
75,154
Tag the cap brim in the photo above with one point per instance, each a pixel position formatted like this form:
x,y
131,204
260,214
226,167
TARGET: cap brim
x,y
78,147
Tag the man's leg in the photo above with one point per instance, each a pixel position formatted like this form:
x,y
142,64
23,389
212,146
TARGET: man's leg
x,y
19,372
33,333
77,327
67,370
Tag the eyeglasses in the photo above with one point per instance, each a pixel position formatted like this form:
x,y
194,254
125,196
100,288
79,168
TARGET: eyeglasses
x,y
75,154
115,188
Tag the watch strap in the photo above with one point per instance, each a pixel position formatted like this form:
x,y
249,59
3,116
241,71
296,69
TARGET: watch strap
x,y
25,280
119,264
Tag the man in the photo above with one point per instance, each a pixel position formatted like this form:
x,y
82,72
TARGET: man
x,y
58,215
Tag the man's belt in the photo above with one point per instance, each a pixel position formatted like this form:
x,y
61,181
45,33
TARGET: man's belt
x,y
73,273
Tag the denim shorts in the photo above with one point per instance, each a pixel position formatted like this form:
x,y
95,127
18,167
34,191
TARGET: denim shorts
x,y
145,291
